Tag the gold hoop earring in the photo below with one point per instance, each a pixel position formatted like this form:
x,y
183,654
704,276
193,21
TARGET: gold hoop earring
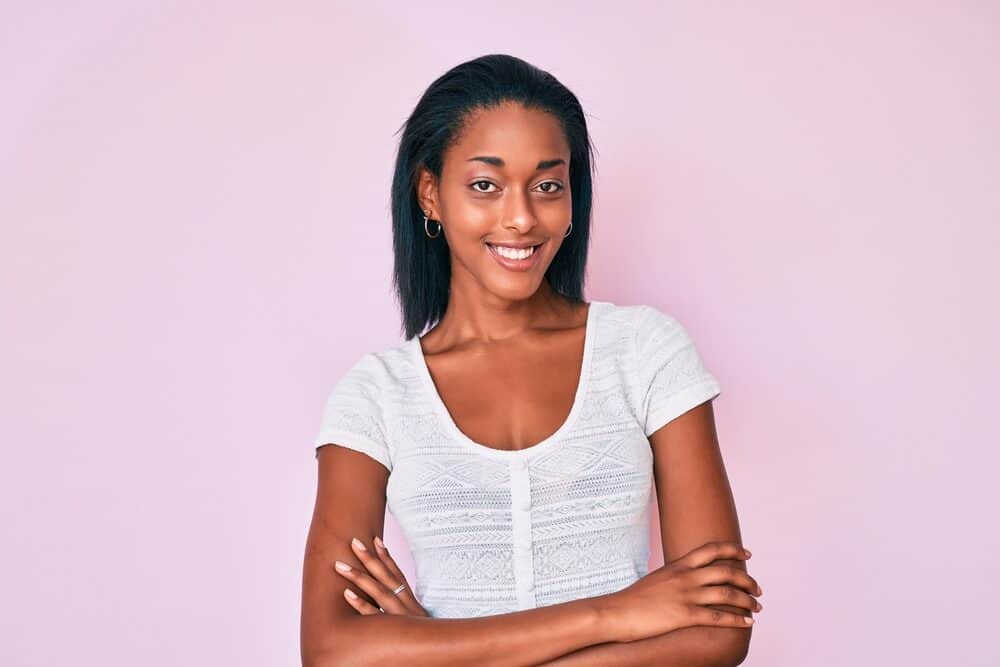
x,y
427,231
568,230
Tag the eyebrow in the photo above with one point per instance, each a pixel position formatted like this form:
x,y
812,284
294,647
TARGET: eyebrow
x,y
497,162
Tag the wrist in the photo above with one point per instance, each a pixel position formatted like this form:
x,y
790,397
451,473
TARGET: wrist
x,y
606,617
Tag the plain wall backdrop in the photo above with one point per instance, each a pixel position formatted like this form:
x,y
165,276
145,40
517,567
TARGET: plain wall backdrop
x,y
196,244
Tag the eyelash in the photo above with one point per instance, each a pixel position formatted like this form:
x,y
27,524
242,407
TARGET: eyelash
x,y
559,187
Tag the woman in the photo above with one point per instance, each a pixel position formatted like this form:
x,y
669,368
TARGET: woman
x,y
517,442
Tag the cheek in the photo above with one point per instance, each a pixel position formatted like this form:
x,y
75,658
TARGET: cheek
x,y
470,219
455,201
555,214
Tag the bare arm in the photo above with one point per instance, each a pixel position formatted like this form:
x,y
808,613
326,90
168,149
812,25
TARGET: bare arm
x,y
350,502
696,506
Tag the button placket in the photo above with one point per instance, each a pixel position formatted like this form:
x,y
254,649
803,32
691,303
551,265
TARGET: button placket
x,y
524,570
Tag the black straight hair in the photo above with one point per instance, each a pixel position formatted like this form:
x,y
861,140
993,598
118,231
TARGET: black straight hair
x,y
422,265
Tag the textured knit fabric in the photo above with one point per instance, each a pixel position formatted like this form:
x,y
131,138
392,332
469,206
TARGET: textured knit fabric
x,y
494,531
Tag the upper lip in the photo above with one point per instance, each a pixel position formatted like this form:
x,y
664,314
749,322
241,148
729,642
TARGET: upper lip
x,y
516,244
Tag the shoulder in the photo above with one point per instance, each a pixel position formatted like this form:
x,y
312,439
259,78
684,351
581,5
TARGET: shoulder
x,y
380,368
672,375
367,370
359,409
654,326
649,317
372,379
648,326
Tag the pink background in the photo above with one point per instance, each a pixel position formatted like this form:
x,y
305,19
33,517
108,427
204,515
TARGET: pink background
x,y
196,244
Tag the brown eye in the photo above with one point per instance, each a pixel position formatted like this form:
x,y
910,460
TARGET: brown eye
x,y
558,187
473,186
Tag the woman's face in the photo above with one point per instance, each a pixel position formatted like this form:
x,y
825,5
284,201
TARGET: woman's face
x,y
506,182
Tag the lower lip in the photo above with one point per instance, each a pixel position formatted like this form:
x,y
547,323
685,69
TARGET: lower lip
x,y
516,264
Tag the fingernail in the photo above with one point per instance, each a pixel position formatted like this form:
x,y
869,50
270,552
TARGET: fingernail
x,y
351,594
747,552
748,620
378,543
343,567
359,544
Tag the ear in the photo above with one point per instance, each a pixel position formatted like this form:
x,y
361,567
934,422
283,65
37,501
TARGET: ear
x,y
427,192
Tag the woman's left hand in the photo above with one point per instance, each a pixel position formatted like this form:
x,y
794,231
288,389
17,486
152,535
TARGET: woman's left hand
x,y
379,577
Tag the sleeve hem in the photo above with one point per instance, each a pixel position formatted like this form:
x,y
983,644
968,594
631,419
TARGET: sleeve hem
x,y
680,403
355,441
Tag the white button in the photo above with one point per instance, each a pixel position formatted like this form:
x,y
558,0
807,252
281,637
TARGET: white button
x,y
522,464
530,586
524,502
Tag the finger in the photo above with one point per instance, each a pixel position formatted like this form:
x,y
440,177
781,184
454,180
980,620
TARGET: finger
x,y
390,564
710,551
716,617
390,577
723,573
362,581
406,595
728,595
380,596
373,564
362,606
746,581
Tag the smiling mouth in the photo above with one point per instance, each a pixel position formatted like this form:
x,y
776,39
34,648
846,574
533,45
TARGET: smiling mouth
x,y
514,253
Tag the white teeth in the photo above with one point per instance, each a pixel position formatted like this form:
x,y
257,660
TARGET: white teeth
x,y
513,253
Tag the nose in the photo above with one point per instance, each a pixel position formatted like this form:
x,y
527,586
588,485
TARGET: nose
x,y
518,214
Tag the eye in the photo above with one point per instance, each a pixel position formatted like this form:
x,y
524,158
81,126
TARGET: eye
x,y
475,183
558,187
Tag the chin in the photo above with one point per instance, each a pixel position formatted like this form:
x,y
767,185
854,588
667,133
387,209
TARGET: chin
x,y
514,290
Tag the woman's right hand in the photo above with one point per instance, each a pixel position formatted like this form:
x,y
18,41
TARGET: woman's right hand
x,y
677,595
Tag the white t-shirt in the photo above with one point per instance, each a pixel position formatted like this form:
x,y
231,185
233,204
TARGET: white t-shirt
x,y
494,531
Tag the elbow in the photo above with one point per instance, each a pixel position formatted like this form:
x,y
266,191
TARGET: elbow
x,y
338,647
315,660
709,646
733,654
729,647
321,657
331,658
345,654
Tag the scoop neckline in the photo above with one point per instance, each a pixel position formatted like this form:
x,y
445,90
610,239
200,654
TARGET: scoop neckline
x,y
578,398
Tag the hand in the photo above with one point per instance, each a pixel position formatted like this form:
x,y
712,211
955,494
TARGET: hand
x,y
379,577
677,595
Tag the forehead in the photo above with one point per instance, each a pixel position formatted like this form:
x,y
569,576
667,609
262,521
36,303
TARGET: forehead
x,y
520,137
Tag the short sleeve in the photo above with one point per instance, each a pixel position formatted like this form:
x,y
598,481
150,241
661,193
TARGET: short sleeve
x,y
353,415
673,377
